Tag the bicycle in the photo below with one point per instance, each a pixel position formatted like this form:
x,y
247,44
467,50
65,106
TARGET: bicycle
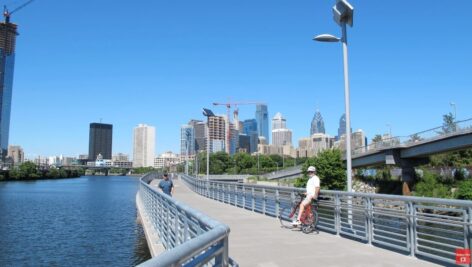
x,y
308,220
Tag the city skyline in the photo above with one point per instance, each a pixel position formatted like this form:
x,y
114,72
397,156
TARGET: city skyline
x,y
69,81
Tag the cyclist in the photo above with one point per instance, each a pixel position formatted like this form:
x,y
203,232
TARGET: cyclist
x,y
312,191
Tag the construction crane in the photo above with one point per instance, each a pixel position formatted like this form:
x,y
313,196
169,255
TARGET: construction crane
x,y
7,13
228,105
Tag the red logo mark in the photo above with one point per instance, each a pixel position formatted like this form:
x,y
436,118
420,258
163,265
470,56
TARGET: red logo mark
x,y
462,256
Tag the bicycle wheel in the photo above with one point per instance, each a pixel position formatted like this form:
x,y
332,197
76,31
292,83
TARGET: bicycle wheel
x,y
285,220
310,222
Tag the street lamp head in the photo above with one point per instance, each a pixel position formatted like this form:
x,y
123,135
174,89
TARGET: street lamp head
x,y
326,38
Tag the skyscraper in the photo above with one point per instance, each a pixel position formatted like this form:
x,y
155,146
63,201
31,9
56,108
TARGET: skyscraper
x,y
7,63
279,122
262,118
317,124
342,127
281,136
200,135
187,141
217,129
144,146
100,140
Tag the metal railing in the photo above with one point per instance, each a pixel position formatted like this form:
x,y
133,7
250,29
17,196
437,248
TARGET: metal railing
x,y
189,237
428,228
440,132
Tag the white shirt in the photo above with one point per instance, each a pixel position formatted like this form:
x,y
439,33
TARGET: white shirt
x,y
312,183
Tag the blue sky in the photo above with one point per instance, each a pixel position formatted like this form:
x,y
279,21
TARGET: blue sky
x,y
160,62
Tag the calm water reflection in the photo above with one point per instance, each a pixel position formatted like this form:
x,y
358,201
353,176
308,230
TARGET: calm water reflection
x,y
88,221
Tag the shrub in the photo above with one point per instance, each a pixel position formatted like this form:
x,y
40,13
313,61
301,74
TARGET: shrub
x,y
465,190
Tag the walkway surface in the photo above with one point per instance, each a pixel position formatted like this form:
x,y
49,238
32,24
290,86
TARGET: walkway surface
x,y
259,240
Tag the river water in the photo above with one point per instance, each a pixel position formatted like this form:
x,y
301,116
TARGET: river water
x,y
87,221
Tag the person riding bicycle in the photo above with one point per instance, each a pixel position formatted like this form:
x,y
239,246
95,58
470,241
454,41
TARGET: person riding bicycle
x,y
312,192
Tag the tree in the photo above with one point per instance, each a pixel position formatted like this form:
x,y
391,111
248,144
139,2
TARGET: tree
x,y
243,161
430,187
330,168
449,126
377,138
415,138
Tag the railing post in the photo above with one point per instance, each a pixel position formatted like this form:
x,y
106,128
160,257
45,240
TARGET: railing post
x,y
369,220
236,195
253,199
244,196
264,203
468,228
412,232
337,213
277,203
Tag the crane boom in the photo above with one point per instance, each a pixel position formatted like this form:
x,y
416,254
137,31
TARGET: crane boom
x,y
7,13
228,107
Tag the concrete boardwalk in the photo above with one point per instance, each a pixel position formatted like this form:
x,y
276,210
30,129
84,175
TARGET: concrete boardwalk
x,y
259,240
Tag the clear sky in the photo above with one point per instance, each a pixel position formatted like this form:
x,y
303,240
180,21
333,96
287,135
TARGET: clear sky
x,y
160,62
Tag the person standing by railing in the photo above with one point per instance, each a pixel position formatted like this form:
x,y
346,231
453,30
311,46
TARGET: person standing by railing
x,y
166,185
312,192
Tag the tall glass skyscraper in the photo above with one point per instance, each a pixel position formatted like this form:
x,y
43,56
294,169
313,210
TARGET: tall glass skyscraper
x,y
7,62
249,126
317,124
100,140
262,118
342,126
187,140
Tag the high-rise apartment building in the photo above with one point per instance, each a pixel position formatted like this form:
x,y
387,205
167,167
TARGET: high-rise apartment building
x,y
144,146
217,129
100,140
7,63
317,124
16,153
262,118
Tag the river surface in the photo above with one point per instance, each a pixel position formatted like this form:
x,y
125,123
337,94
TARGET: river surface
x,y
87,221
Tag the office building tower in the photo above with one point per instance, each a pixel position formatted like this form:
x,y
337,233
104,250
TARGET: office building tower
x,y
16,154
244,143
200,135
262,118
281,136
249,126
317,124
342,126
187,141
234,141
7,64
100,140
144,146
279,122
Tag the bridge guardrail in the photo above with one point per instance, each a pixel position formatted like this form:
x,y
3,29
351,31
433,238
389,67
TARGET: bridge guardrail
x,y
428,228
189,237
456,128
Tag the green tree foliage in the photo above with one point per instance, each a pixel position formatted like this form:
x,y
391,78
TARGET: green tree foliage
x,y
465,190
449,126
143,170
330,168
415,138
429,186
377,138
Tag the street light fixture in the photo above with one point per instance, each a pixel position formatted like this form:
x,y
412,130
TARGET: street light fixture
x,y
453,105
208,113
343,13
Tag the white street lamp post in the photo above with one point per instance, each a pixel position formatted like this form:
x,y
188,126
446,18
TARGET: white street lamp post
x,y
343,14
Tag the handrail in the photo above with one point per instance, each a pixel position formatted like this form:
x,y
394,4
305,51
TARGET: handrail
x,y
190,237
428,227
